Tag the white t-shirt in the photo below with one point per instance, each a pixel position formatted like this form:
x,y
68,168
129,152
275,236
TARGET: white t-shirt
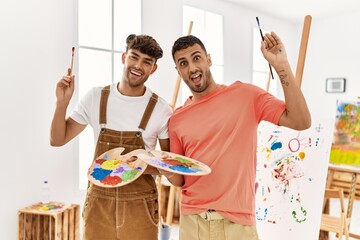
x,y
124,113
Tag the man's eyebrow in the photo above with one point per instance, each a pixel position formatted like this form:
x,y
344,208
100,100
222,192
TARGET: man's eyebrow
x,y
150,59
196,52
147,58
180,59
192,54
134,53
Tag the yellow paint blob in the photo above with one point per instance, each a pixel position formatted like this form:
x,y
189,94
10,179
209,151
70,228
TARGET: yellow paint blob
x,y
110,164
301,155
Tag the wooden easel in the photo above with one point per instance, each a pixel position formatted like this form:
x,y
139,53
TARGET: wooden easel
x,y
173,189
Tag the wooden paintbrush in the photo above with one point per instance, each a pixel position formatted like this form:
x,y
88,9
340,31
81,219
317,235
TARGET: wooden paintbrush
x,y
72,59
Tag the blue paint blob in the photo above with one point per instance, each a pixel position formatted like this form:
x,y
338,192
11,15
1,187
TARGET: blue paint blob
x,y
185,169
276,145
100,174
194,169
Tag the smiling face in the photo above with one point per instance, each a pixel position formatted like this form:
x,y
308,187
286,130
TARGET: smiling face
x,y
193,65
137,68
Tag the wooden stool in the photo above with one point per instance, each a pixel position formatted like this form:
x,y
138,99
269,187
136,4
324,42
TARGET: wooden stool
x,y
51,221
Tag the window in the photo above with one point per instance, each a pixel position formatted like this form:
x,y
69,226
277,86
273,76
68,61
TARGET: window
x,y
261,69
208,27
103,26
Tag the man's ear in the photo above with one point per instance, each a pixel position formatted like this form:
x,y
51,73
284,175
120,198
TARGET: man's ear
x,y
123,56
154,68
209,59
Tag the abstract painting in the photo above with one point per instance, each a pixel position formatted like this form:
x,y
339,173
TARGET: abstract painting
x,y
346,142
291,175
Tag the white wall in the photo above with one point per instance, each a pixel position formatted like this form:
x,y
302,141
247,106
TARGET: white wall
x,y
36,41
333,51
238,27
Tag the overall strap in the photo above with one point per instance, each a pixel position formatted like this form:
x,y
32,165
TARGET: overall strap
x,y
103,104
148,111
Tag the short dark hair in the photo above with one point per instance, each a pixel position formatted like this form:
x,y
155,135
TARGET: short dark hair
x,y
145,44
185,42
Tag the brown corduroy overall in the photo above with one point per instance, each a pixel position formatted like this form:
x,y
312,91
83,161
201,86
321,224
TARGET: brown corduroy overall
x,y
129,212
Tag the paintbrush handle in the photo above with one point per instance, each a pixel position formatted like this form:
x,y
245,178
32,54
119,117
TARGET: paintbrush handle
x,y
272,75
262,37
261,34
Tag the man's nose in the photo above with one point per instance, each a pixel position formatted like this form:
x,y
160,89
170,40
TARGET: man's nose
x,y
137,65
192,67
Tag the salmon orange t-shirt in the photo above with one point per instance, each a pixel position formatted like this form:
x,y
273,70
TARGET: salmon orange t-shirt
x,y
220,130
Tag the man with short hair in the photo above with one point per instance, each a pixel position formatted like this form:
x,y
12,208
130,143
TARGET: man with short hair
x,y
218,126
125,114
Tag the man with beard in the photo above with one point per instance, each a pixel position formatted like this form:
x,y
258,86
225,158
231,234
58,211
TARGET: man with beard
x,y
218,126
124,114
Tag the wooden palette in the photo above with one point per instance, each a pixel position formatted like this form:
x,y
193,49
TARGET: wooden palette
x,y
111,169
175,163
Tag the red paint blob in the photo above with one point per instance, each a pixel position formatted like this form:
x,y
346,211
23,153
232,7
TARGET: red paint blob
x,y
100,161
172,162
111,180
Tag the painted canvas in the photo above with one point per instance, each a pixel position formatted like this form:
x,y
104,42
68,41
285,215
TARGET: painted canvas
x,y
291,175
346,142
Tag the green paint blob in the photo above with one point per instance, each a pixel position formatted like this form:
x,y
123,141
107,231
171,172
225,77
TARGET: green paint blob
x,y
180,159
128,175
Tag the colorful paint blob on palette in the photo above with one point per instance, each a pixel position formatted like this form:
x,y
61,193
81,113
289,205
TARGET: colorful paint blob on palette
x,y
178,164
110,171
175,163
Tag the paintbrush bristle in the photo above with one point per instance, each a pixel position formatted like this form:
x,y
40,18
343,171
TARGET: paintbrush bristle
x,y
73,50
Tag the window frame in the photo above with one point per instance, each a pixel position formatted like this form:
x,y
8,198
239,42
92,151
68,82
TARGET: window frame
x,y
81,175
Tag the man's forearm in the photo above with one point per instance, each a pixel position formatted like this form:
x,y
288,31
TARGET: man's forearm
x,y
297,115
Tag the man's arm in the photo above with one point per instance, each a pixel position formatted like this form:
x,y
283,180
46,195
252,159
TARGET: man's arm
x,y
63,130
296,114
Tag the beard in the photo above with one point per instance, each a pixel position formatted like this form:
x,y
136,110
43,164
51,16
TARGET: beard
x,y
133,82
199,88
136,84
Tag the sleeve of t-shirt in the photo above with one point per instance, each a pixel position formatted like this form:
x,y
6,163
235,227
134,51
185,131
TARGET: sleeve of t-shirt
x,y
268,107
175,144
81,112
164,133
